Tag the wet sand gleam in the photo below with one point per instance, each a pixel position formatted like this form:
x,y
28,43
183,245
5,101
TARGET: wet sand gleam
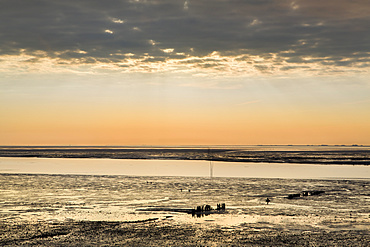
x,y
80,210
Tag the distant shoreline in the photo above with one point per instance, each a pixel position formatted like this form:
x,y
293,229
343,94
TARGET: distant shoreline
x,y
190,146
326,155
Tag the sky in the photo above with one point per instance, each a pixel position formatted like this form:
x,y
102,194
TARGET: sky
x,y
189,72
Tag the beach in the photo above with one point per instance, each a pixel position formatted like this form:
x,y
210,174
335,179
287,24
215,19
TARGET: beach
x,y
154,234
116,196
121,210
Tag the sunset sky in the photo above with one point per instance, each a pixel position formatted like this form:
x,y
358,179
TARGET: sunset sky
x,y
190,72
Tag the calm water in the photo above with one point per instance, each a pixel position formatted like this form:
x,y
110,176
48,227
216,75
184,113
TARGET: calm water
x,y
180,168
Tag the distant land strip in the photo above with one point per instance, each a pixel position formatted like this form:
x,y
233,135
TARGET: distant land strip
x,y
332,157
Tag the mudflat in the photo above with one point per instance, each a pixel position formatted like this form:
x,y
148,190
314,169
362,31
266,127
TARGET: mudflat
x,y
103,233
87,210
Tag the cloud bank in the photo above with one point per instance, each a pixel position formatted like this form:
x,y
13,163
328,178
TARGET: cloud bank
x,y
235,37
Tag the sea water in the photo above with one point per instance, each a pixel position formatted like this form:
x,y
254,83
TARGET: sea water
x,y
188,168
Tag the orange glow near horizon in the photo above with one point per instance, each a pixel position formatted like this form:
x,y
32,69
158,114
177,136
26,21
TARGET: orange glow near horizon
x,y
228,112
117,125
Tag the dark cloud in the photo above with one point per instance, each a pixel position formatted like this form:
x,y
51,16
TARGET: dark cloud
x,y
104,28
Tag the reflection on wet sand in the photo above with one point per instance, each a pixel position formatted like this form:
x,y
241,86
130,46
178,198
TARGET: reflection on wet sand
x,y
55,210
122,198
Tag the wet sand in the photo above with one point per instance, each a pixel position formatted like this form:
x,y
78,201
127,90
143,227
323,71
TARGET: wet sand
x,y
97,233
85,210
114,210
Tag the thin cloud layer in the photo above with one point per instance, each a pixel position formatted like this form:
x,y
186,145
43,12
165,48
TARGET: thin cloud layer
x,y
218,36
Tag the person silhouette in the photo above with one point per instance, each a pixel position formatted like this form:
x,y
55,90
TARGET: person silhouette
x,y
267,200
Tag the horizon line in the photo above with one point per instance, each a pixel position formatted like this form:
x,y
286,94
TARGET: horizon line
x,y
196,145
